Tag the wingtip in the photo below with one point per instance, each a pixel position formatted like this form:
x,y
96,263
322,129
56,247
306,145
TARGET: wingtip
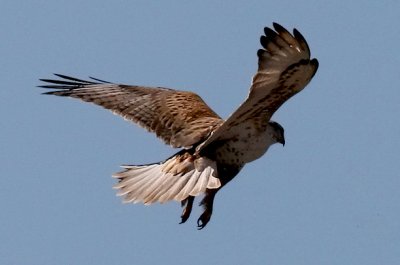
x,y
269,32
59,75
278,27
302,41
264,40
99,80
56,93
260,52
297,34
315,63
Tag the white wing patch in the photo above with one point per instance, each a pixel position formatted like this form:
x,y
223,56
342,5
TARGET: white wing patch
x,y
153,183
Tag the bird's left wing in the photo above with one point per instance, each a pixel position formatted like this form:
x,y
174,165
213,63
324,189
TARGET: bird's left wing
x,y
284,69
179,118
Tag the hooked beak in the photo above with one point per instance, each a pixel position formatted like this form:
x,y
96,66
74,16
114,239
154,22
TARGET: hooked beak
x,y
282,141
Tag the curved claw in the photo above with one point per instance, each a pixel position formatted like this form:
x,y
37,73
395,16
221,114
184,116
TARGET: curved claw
x,y
182,220
203,220
184,217
200,224
207,204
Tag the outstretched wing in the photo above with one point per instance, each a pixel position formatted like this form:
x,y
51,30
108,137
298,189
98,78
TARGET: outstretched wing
x,y
284,69
179,118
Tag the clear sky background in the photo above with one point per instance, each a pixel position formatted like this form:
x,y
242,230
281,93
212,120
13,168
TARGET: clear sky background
x,y
330,196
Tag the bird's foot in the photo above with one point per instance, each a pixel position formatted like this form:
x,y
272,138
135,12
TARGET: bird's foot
x,y
206,215
188,204
204,219
207,203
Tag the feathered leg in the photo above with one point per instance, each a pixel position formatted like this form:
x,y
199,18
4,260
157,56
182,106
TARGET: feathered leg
x,y
188,204
207,203
226,173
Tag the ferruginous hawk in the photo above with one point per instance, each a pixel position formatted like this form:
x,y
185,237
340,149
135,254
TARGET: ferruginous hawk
x,y
213,150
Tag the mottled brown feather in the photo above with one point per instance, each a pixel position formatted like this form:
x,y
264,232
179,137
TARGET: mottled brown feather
x,y
179,118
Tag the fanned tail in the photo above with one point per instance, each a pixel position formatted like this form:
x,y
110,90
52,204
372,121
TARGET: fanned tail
x,y
175,179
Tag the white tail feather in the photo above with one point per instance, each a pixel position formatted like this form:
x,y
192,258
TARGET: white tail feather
x,y
188,187
150,190
175,189
130,183
164,187
173,180
159,190
200,185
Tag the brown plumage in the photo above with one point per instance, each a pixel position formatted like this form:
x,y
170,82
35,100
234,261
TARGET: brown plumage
x,y
179,118
214,150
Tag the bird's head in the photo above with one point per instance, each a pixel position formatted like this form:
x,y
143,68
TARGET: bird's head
x,y
278,133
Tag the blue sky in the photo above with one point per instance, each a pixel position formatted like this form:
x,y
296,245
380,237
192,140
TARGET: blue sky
x,y
330,196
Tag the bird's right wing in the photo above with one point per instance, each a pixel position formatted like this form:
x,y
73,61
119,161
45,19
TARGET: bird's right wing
x,y
179,118
284,69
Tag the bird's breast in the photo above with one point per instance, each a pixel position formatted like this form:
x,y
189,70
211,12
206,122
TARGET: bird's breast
x,y
243,149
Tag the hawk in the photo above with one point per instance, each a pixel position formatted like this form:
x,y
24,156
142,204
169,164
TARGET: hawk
x,y
213,150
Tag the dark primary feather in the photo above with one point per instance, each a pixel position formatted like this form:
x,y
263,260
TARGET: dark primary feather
x,y
74,83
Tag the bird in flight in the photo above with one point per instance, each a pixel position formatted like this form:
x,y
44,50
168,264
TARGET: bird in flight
x,y
213,150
